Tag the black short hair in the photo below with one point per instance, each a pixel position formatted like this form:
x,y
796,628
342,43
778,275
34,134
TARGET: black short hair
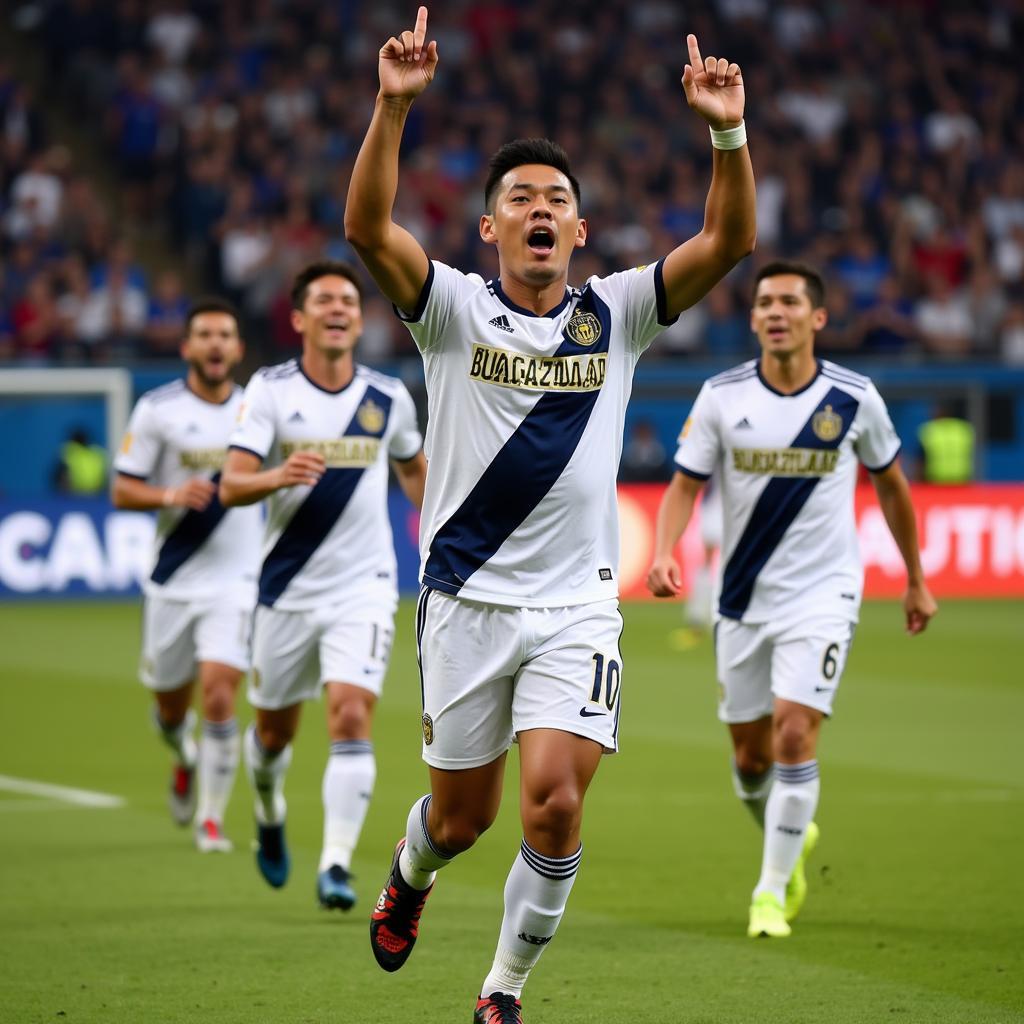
x,y
211,304
322,268
526,151
813,281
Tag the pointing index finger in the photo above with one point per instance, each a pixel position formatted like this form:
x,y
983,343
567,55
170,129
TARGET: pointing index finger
x,y
419,32
696,60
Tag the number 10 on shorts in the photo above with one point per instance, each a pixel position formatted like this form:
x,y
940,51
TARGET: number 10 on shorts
x,y
607,676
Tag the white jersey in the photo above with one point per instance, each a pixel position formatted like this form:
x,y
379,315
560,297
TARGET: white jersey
x,y
525,433
322,542
787,466
174,436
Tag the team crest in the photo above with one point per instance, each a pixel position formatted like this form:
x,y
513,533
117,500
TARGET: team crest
x,y
428,729
370,417
583,328
827,424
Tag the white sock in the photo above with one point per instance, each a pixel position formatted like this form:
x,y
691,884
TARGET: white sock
x,y
536,892
347,787
790,809
266,773
179,737
420,859
698,604
218,761
753,790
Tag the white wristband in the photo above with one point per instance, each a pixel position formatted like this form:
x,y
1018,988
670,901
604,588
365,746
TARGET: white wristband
x,y
729,138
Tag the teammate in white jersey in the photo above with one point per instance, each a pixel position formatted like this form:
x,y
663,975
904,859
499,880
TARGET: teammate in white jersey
x,y
200,593
784,435
315,437
527,382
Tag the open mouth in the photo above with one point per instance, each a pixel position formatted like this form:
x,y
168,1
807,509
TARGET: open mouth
x,y
541,241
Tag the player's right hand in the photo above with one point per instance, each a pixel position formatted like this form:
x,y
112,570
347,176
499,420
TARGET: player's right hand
x,y
406,67
195,494
664,579
301,468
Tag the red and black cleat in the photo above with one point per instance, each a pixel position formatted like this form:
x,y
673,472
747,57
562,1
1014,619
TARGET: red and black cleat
x,y
498,1008
396,918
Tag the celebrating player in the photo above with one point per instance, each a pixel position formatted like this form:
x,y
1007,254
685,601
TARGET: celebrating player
x,y
783,435
315,437
527,379
199,596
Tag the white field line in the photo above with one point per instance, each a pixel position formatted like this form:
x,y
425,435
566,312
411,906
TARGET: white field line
x,y
65,794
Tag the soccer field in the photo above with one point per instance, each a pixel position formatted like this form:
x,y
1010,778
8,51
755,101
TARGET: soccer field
x,y
915,913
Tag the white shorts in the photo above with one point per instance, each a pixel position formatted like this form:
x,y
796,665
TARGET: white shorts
x,y
178,635
488,673
295,653
800,662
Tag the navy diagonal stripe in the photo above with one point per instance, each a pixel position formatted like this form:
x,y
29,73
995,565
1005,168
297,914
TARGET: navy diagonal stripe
x,y
522,473
191,531
316,516
773,514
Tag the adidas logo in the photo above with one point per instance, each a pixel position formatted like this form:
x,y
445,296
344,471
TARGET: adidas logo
x,y
296,417
744,424
501,322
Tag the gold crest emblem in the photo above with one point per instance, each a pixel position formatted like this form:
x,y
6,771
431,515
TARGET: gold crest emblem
x,y
428,729
685,432
583,328
640,269
827,424
370,417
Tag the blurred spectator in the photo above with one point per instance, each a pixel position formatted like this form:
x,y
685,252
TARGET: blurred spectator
x,y
35,321
1011,335
727,330
643,455
113,317
82,467
947,447
166,317
888,326
944,318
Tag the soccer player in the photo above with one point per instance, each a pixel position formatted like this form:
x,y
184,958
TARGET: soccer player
x,y
200,593
315,437
527,381
783,435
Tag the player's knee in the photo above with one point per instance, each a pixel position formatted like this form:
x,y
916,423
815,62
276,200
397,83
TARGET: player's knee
x,y
350,719
459,834
218,702
793,741
274,736
752,763
557,813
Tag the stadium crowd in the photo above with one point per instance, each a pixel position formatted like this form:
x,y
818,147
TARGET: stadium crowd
x,y
887,141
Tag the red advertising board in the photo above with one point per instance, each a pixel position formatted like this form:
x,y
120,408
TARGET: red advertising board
x,y
972,540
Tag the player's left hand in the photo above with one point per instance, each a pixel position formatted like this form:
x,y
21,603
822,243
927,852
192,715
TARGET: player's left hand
x,y
919,607
713,87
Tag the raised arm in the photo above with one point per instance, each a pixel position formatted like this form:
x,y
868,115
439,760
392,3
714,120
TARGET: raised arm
x,y
894,498
242,482
392,255
674,512
714,89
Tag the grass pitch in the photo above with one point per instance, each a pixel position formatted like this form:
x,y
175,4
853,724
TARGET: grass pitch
x,y
914,913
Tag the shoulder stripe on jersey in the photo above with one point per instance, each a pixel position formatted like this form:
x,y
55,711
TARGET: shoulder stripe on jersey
x,y
716,382
773,514
190,533
749,366
842,371
165,391
522,473
842,378
315,517
279,371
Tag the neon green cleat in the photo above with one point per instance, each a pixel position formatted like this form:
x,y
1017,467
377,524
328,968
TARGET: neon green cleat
x,y
796,887
766,918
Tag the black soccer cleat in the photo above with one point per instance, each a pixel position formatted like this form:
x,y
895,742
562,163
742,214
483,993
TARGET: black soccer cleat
x,y
498,1008
395,922
272,854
